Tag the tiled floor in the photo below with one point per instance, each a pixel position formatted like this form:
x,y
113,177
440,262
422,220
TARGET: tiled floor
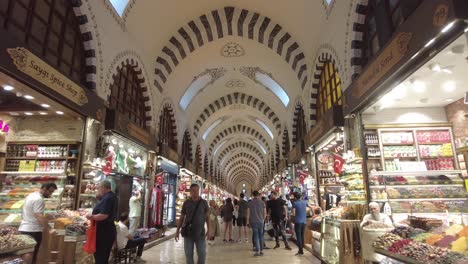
x,y
171,252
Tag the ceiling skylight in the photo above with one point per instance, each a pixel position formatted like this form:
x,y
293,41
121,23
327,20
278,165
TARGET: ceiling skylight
x,y
219,146
260,145
210,128
119,6
260,122
271,84
194,88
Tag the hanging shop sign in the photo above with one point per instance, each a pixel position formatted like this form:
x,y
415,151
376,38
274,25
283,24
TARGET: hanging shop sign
x,y
38,69
332,118
405,52
22,64
296,153
122,124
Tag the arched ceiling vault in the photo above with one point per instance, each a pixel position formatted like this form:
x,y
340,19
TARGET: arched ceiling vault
x,y
233,70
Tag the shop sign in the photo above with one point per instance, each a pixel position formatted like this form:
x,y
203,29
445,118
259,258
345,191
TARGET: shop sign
x,y
189,166
389,57
295,154
36,68
324,158
333,117
440,16
172,155
139,133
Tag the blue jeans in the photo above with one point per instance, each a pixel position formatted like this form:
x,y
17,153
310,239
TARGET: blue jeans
x,y
201,249
257,230
299,228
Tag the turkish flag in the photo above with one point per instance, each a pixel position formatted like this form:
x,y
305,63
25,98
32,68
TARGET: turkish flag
x,y
159,179
107,168
338,163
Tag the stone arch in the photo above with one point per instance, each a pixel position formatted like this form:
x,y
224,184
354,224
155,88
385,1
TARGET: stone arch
x,y
229,21
239,162
187,147
239,144
324,57
248,156
299,123
167,127
236,98
119,63
237,129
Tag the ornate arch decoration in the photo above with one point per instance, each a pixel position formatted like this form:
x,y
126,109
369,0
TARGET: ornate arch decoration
x,y
236,164
241,176
272,164
286,143
371,31
236,98
55,31
239,144
198,159
237,129
187,147
167,127
299,124
206,166
229,21
246,155
241,167
277,154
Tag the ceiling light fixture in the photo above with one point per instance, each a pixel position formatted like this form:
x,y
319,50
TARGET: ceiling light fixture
x,y
8,88
449,100
449,86
28,113
14,114
448,27
419,86
59,112
29,97
435,67
45,105
42,113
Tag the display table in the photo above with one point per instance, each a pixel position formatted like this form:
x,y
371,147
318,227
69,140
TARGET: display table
x,y
340,241
4,257
396,256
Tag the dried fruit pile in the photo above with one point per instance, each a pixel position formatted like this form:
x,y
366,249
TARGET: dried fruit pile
x,y
11,242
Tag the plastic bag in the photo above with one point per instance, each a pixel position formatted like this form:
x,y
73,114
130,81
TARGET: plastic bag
x,y
90,244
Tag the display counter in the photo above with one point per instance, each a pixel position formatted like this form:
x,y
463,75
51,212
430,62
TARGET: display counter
x,y
340,241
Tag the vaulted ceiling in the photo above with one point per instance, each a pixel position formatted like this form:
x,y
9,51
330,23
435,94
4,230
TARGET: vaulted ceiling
x,y
233,70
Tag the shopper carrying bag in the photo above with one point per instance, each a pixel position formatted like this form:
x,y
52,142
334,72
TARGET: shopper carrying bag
x,y
90,244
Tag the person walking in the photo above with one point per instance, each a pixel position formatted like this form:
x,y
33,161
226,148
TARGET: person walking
x,y
214,224
242,217
194,215
228,210
135,211
126,240
104,214
299,209
235,213
33,222
256,213
277,211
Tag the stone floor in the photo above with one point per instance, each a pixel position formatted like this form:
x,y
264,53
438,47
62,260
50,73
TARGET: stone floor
x,y
171,252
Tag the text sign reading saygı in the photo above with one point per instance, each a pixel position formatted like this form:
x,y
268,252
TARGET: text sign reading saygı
x,y
33,66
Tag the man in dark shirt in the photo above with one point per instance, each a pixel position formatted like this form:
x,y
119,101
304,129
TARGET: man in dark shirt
x,y
104,213
197,217
277,212
242,218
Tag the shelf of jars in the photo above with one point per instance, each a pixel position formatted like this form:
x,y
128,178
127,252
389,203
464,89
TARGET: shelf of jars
x,y
30,164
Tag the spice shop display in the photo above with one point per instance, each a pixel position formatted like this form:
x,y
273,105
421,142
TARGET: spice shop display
x,y
438,245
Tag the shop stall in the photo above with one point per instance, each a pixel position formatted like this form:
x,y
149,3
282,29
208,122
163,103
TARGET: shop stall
x,y
163,205
410,103
42,140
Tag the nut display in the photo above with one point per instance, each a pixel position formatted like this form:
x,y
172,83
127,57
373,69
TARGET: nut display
x,y
385,241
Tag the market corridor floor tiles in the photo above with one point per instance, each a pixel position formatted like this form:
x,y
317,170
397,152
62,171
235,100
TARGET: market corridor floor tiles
x,y
171,252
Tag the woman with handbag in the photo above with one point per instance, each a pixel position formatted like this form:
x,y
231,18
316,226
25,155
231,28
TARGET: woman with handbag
x,y
214,230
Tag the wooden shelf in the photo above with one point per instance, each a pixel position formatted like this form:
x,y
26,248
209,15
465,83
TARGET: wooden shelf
x,y
435,143
31,158
372,144
401,157
374,158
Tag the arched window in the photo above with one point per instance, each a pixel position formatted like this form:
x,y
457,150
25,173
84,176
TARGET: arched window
x,y
300,126
187,147
382,19
329,91
286,144
167,128
50,30
127,95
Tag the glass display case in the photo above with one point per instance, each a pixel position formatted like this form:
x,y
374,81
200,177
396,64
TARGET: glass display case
x,y
340,241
